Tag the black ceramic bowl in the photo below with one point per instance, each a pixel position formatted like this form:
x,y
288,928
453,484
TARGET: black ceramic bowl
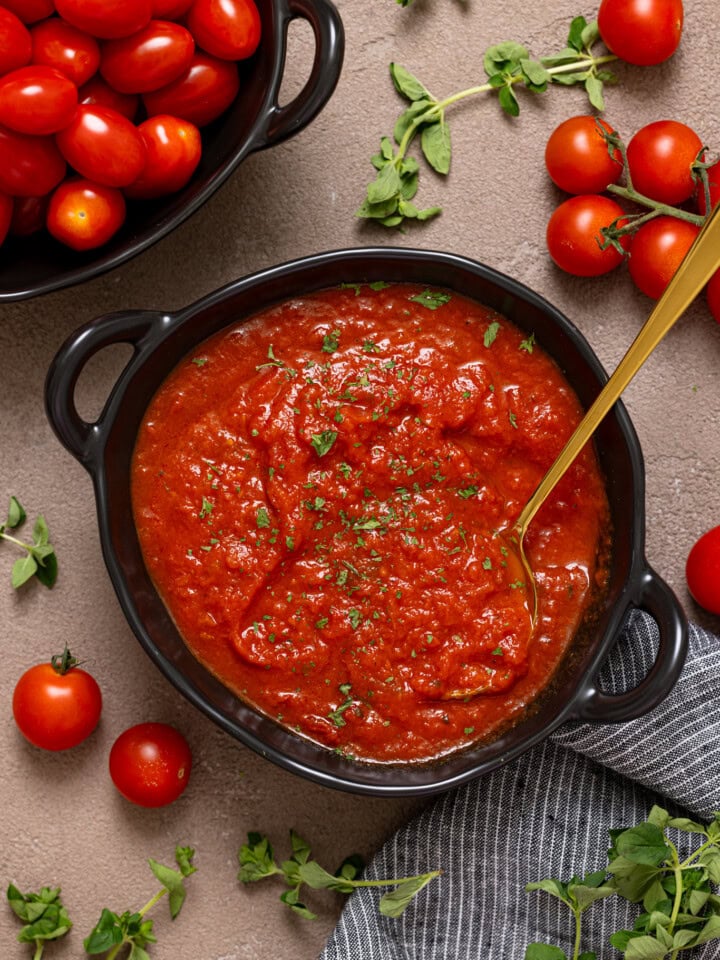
x,y
37,264
161,340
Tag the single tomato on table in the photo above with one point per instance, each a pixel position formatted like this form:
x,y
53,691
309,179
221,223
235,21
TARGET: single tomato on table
x,y
643,32
660,158
150,764
702,570
656,251
57,705
84,215
577,156
574,238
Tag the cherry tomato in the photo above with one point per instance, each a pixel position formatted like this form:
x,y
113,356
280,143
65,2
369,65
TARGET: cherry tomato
x,y
173,148
29,166
228,29
643,32
201,94
656,252
29,11
713,295
702,570
150,764
98,92
106,20
56,705
713,173
660,157
37,99
103,146
15,42
149,59
7,206
60,45
573,235
170,9
577,156
84,215
28,215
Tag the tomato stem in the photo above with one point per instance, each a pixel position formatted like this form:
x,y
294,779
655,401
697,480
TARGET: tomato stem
x,y
657,208
63,662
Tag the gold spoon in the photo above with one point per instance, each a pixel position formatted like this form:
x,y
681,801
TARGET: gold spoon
x,y
699,264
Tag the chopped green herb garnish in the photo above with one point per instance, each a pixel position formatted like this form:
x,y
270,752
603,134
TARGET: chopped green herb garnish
x,y
491,333
323,442
432,299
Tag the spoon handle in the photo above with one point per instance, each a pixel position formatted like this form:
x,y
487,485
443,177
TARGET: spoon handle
x,y
699,264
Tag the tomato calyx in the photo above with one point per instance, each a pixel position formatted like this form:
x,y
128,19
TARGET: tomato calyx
x,y
63,662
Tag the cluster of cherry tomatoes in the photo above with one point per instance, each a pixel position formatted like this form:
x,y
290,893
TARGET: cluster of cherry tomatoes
x,y
101,101
660,159
57,706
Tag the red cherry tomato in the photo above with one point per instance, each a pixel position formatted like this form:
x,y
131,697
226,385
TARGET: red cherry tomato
x,y
84,215
573,235
37,100
30,11
149,59
29,166
201,94
656,252
643,32
56,706
173,148
98,92
7,206
60,45
170,9
103,146
28,215
713,173
660,156
15,42
228,29
713,295
150,764
702,570
577,156
106,20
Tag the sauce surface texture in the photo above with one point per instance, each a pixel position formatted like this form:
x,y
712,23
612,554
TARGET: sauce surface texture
x,y
324,496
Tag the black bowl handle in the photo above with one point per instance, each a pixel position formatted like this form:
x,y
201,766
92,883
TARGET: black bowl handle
x,y
657,598
138,328
282,122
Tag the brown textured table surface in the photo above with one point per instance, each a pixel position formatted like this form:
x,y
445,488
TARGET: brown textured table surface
x,y
62,821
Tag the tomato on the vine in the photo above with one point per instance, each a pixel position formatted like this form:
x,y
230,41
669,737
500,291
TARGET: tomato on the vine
x,y
702,570
60,45
643,32
173,148
37,99
201,94
15,42
57,705
577,156
84,215
102,145
149,59
713,175
657,250
574,238
150,764
228,29
660,158
106,20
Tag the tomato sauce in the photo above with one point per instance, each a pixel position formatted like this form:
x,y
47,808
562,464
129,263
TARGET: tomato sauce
x,y
325,494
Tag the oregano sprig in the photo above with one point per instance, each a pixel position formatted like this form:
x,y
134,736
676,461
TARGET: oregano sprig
x,y
43,914
39,558
114,931
389,197
680,909
257,863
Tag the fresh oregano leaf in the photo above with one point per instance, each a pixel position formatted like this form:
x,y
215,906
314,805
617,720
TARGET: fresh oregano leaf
x,y
436,147
543,951
508,101
594,88
645,948
535,73
408,85
385,186
644,844
16,514
23,570
395,902
414,112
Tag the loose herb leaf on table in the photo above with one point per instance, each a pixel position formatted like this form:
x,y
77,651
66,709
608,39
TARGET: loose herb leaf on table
x,y
39,558
680,909
43,914
389,197
257,862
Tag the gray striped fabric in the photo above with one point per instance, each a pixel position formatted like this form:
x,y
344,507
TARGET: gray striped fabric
x,y
547,814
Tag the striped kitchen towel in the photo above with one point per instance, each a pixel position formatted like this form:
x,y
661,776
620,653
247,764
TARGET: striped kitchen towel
x,y
547,815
